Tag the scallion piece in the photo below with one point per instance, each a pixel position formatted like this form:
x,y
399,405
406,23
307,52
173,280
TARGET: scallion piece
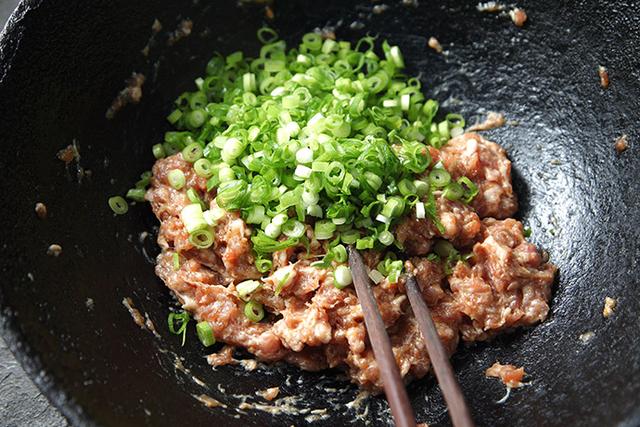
x,y
246,288
349,237
273,230
394,207
422,188
136,194
193,218
469,188
203,168
444,249
212,216
118,205
342,277
192,152
178,322
386,238
205,334
254,311
340,253
176,179
293,228
439,177
158,151
263,265
453,191
201,239
376,276
365,243
324,230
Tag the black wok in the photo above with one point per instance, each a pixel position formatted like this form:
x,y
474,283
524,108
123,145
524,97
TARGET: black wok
x,y
61,64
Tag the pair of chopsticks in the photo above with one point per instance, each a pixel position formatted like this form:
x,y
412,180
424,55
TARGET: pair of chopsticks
x,y
394,388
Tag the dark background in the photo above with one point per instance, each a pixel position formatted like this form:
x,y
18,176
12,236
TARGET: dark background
x,y
21,403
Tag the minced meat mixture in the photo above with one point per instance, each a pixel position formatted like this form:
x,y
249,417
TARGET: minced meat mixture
x,y
312,324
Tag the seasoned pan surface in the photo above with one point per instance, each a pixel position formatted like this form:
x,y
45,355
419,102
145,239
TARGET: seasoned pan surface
x,y
61,64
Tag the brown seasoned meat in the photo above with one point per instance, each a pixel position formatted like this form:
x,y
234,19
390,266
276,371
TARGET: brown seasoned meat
x,y
312,324
204,293
507,284
233,245
231,252
165,200
461,225
510,375
486,164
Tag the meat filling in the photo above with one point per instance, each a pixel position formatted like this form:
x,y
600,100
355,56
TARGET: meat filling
x,y
314,325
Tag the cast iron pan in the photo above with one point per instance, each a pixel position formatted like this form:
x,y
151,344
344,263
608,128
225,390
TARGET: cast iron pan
x,y
61,64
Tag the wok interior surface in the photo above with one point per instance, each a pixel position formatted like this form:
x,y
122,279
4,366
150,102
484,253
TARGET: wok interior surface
x,y
61,64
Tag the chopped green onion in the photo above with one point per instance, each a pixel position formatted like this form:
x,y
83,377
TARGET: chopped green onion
x,y
444,249
263,265
386,238
527,232
176,179
246,288
314,211
273,230
176,261
178,322
192,152
439,177
213,215
196,118
365,243
322,130
193,197
267,35
256,215
254,311
406,187
232,150
118,205
205,334
203,168
349,237
174,116
226,174
376,276
323,230
201,239
158,151
136,194
453,191
342,277
192,218
232,194
469,188
394,207
304,155
293,228
422,188
340,253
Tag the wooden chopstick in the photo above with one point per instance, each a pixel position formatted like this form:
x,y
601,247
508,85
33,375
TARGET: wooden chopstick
x,y
458,410
389,373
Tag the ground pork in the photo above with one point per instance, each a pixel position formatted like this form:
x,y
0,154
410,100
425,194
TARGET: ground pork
x,y
505,285
312,324
510,375
461,225
486,164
